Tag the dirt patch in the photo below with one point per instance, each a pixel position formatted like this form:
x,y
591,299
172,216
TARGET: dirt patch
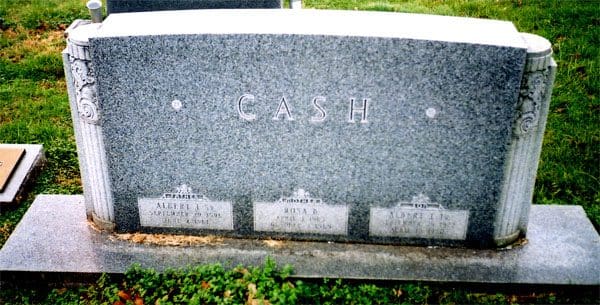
x,y
47,43
169,239
177,240
274,243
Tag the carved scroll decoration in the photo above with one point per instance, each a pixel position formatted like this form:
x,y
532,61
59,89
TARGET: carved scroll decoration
x,y
534,85
531,96
85,88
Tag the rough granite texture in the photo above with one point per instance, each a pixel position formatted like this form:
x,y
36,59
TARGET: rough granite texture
x,y
126,6
439,122
55,237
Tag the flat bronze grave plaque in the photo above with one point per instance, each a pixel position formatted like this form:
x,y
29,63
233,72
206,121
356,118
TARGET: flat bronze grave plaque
x,y
9,159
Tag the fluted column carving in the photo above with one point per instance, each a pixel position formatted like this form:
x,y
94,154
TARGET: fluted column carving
x,y
528,131
87,123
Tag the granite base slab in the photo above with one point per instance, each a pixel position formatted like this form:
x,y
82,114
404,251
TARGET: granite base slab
x,y
26,169
562,247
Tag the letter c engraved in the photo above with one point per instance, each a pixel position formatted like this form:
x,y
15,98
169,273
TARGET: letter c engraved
x,y
243,115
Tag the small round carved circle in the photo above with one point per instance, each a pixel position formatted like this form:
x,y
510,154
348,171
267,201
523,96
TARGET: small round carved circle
x,y
176,104
431,112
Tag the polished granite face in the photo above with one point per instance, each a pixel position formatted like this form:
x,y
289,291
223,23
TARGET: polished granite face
x,y
128,6
306,131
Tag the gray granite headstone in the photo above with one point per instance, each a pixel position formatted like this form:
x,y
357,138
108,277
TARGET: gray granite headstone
x,y
127,6
320,125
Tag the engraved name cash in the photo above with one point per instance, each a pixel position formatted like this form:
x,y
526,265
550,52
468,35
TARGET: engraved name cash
x,y
283,112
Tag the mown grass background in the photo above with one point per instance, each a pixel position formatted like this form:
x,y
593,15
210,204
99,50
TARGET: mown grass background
x,y
34,106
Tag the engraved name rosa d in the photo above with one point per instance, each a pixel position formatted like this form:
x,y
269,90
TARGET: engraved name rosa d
x,y
356,109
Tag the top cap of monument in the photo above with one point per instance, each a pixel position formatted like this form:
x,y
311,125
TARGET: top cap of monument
x,y
314,22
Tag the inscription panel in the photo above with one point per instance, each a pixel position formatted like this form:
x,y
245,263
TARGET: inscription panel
x,y
419,218
301,214
185,209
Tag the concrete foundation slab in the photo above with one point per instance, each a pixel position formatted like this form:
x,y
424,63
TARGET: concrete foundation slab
x,y
562,247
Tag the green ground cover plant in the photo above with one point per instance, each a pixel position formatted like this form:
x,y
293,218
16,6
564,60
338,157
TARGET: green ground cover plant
x,y
34,108
270,284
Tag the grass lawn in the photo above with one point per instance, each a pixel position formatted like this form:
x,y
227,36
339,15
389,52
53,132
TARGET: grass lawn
x,y
34,109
